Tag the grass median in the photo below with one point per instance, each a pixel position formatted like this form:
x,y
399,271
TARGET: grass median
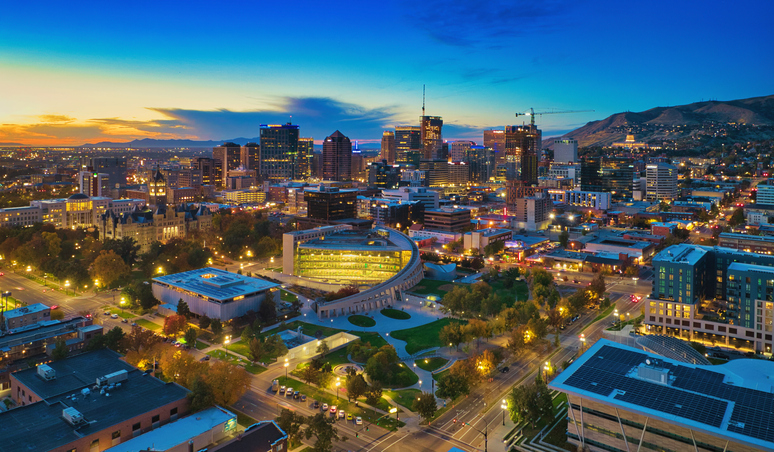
x,y
425,336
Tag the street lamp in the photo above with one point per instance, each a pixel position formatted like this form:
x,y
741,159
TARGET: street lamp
x,y
160,270
420,385
122,304
395,410
67,284
338,383
286,369
504,406
547,368
583,340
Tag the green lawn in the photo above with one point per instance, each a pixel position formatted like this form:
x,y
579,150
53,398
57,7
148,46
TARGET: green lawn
x,y
239,347
520,291
287,296
404,397
403,376
307,328
224,356
375,339
254,369
243,419
201,345
123,314
396,314
423,337
431,364
361,321
148,324
430,286
601,316
313,393
440,375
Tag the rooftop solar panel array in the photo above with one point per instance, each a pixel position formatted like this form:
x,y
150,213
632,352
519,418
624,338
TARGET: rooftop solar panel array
x,y
697,394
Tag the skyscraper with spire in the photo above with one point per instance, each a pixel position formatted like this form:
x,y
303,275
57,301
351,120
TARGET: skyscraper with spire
x,y
430,127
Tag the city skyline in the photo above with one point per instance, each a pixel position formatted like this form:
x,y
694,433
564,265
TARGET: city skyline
x,y
85,74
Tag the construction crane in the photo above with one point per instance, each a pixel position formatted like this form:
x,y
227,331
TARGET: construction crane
x,y
531,113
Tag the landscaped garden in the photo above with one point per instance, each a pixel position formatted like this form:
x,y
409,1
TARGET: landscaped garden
x,y
433,286
361,321
404,397
431,364
148,325
395,314
423,337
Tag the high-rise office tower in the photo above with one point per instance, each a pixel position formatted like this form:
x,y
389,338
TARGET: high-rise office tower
x,y
522,144
305,156
279,152
230,157
337,157
565,151
206,167
459,150
480,162
495,140
614,176
114,167
251,155
388,147
408,145
661,182
432,142
93,183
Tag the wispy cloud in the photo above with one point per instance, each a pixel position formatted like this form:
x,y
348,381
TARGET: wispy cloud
x,y
462,23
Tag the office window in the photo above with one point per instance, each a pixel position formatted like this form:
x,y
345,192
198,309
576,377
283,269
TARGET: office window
x,y
94,446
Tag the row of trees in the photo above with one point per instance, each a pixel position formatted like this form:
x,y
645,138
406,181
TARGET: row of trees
x,y
320,426
465,374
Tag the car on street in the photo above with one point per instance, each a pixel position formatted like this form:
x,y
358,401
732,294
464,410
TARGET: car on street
x,y
505,369
349,416
303,397
282,388
316,404
289,392
124,320
359,420
297,395
114,316
333,409
342,414
325,407
134,323
54,307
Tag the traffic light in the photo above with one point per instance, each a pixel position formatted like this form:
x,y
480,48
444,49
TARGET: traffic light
x,y
455,420
357,435
367,428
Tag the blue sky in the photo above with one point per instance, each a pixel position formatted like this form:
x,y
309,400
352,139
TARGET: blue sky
x,y
77,72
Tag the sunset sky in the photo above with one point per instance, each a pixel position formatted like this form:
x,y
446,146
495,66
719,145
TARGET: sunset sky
x,y
83,72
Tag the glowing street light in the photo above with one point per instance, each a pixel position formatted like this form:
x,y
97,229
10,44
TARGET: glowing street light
x,y
123,301
504,406
338,383
286,368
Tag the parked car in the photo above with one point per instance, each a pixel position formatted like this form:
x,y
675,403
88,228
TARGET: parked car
x,y
282,389
316,404
303,397
505,369
134,323
124,320
289,392
342,414
296,395
325,407
359,420
333,409
349,416
114,316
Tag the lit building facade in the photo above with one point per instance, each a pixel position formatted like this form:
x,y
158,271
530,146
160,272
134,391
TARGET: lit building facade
x,y
661,182
230,157
408,145
146,226
388,147
431,136
337,157
522,144
279,152
305,157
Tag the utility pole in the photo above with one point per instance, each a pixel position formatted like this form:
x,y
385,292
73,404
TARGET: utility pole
x,y
485,432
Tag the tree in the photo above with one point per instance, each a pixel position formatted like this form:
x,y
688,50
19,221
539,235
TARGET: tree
x,y
228,382
275,346
216,327
126,247
530,402
323,348
201,395
256,349
452,334
453,385
478,329
60,351
311,374
108,268
426,405
190,336
140,339
356,386
291,422
57,314
204,322
321,427
555,318
267,312
174,325
737,217
564,239
183,309
494,248
373,393
598,286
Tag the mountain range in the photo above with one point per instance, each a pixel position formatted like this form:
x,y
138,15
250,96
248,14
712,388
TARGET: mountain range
x,y
755,114
751,118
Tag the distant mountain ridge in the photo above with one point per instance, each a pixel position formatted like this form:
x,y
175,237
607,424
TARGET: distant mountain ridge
x,y
152,143
659,123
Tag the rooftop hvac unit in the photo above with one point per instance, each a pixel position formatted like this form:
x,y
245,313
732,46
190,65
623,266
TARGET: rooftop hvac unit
x,y
115,377
46,372
72,416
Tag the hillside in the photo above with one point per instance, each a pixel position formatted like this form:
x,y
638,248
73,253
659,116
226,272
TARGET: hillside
x,y
753,117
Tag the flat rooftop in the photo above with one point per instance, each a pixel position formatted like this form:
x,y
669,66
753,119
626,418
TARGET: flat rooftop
x,y
42,330
732,400
491,232
354,240
681,254
752,238
41,427
609,241
738,266
215,283
24,310
178,432
260,436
